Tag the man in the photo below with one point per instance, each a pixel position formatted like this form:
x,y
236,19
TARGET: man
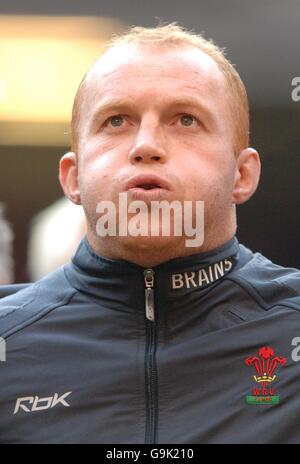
x,y
141,338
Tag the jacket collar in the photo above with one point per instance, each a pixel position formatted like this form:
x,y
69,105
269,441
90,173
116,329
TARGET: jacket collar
x,y
121,284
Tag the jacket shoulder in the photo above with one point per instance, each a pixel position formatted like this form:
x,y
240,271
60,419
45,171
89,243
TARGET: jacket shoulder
x,y
268,283
33,302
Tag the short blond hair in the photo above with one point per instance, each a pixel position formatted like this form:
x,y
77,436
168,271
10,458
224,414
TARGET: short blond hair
x,y
173,34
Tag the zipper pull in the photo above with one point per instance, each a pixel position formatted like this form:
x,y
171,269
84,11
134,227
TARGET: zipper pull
x,y
149,293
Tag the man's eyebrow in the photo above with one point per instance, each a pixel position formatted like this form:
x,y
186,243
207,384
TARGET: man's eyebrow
x,y
112,103
192,103
109,104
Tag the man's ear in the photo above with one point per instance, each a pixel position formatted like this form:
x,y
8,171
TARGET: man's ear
x,y
246,176
68,177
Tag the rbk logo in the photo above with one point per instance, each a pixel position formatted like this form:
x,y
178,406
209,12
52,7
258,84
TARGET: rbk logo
x,y
34,403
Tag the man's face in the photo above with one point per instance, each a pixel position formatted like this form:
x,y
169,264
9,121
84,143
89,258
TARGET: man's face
x,y
163,112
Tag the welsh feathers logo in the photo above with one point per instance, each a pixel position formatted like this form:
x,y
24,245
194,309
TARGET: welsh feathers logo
x,y
265,365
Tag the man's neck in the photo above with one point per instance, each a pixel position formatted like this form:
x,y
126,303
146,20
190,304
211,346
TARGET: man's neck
x,y
152,252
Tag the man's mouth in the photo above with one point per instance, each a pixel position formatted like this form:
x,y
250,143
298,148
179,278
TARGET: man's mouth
x,y
147,182
148,186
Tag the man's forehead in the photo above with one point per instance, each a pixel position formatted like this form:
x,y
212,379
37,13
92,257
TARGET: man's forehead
x,y
143,61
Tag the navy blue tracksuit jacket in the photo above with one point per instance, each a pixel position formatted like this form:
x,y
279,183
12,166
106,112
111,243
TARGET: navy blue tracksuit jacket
x,y
201,349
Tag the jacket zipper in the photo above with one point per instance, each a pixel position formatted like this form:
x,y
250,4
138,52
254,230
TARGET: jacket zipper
x,y
150,360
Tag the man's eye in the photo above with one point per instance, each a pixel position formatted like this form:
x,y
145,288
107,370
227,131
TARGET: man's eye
x,y
187,120
115,121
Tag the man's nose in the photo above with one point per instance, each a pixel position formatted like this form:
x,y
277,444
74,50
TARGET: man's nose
x,y
148,145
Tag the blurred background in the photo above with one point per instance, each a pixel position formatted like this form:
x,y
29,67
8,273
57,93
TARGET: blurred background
x,y
45,49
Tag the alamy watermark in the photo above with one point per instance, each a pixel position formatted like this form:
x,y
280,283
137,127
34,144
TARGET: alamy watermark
x,y
296,90
2,349
296,351
164,218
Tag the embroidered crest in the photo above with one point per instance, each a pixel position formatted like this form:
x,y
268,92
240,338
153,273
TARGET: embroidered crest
x,y
265,364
